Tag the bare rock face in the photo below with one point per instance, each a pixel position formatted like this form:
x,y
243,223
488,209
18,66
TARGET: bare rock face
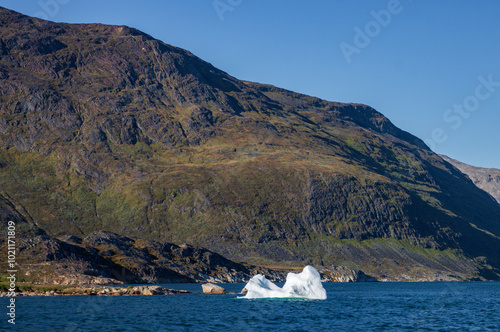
x,y
153,290
487,179
98,259
345,274
213,289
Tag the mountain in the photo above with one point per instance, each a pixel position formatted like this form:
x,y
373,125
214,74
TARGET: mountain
x,y
104,128
105,257
487,179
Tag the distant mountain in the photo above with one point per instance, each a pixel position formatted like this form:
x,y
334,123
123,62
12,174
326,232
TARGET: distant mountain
x,y
104,128
487,179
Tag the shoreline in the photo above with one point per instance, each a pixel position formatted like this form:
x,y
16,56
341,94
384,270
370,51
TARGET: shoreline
x,y
58,290
29,289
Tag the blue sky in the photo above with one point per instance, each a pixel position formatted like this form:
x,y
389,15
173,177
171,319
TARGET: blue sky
x,y
432,67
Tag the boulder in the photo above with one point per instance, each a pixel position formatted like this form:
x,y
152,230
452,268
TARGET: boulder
x,y
213,289
147,291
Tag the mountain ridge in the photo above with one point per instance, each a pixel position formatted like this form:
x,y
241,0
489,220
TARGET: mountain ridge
x,y
106,128
487,179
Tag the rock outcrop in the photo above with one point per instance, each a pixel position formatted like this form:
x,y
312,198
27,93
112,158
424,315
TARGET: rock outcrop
x,y
213,289
108,258
344,274
99,290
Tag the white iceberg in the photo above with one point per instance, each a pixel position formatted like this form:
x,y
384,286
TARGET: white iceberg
x,y
306,285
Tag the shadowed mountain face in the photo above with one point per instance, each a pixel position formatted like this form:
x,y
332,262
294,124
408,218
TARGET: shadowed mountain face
x,y
105,128
487,179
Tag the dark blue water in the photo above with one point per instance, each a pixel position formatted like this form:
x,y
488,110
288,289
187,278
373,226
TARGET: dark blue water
x,y
447,306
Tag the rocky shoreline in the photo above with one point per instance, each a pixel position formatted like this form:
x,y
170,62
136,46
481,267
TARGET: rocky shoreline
x,y
99,291
102,263
330,274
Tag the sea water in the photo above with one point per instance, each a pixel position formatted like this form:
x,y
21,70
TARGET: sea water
x,y
443,306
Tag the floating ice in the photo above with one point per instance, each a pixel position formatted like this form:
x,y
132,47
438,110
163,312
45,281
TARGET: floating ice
x,y
306,285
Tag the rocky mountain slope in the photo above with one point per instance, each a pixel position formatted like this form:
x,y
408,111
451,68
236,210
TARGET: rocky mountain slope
x,y
108,258
487,179
105,257
104,128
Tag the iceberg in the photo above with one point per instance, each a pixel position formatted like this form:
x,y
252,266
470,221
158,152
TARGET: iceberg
x,y
305,285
